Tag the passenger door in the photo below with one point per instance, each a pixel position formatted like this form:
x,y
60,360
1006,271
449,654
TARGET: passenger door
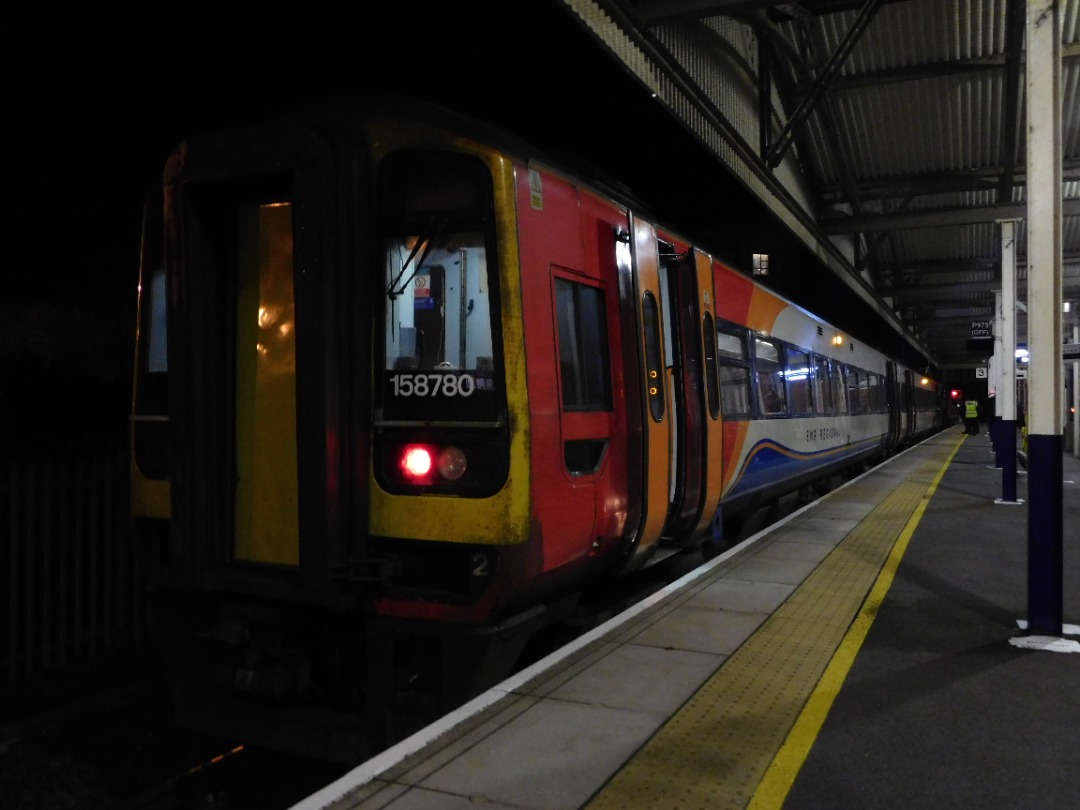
x,y
687,283
656,460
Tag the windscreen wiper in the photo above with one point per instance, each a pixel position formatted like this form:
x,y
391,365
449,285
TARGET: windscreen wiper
x,y
438,224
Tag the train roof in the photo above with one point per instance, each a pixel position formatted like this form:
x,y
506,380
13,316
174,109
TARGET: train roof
x,y
334,111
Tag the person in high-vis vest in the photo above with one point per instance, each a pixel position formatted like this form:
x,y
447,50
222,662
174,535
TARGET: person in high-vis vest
x,y
971,417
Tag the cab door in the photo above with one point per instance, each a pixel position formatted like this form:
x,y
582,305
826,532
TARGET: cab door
x,y
572,336
586,411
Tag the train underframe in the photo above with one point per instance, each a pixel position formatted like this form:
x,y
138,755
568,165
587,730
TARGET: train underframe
x,y
335,684
342,684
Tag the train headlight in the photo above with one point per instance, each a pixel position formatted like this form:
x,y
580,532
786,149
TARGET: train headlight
x,y
451,463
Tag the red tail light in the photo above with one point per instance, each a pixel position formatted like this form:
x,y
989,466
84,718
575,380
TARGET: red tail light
x,y
416,463
423,464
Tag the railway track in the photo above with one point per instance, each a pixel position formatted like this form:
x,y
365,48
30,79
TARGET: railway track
x,y
120,749
239,779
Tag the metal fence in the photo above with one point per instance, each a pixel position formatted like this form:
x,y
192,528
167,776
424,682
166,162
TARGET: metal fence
x,y
71,591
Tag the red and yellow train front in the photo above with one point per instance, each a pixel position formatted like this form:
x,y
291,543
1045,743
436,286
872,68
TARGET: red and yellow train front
x,y
498,461
449,504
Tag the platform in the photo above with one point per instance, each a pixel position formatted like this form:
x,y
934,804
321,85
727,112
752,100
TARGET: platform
x,y
867,651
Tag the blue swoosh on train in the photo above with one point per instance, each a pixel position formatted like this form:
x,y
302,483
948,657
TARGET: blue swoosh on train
x,y
770,462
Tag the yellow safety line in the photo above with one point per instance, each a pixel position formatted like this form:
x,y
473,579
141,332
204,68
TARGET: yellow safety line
x,y
785,766
763,707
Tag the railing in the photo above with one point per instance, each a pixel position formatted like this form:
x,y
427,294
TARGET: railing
x,y
70,589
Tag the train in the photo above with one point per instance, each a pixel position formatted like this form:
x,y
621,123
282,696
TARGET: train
x,y
406,389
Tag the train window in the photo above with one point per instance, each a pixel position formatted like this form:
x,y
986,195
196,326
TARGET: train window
x,y
711,381
650,315
878,402
852,377
822,389
266,513
864,392
583,347
797,376
839,391
151,426
440,309
730,346
770,377
733,371
157,328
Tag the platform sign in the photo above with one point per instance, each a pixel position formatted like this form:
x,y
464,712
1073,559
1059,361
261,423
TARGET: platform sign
x,y
980,373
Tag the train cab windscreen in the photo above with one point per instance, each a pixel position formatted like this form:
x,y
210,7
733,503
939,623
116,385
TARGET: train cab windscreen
x,y
439,342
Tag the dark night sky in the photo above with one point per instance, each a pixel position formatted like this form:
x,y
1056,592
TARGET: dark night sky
x,y
92,132
122,95
108,99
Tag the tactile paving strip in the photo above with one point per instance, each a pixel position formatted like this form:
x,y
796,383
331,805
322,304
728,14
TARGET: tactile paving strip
x,y
714,752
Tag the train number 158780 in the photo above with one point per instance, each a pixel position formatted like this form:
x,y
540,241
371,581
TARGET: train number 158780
x,y
433,385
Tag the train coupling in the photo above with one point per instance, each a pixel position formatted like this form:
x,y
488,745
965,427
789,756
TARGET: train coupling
x,y
274,682
272,678
257,659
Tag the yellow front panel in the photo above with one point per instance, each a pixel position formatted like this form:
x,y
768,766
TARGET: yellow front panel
x,y
149,497
502,519
267,518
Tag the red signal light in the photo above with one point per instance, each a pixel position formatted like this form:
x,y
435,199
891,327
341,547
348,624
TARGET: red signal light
x,y
955,393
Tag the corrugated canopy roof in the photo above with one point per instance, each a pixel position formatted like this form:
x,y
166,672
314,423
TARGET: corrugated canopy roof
x,y
895,134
